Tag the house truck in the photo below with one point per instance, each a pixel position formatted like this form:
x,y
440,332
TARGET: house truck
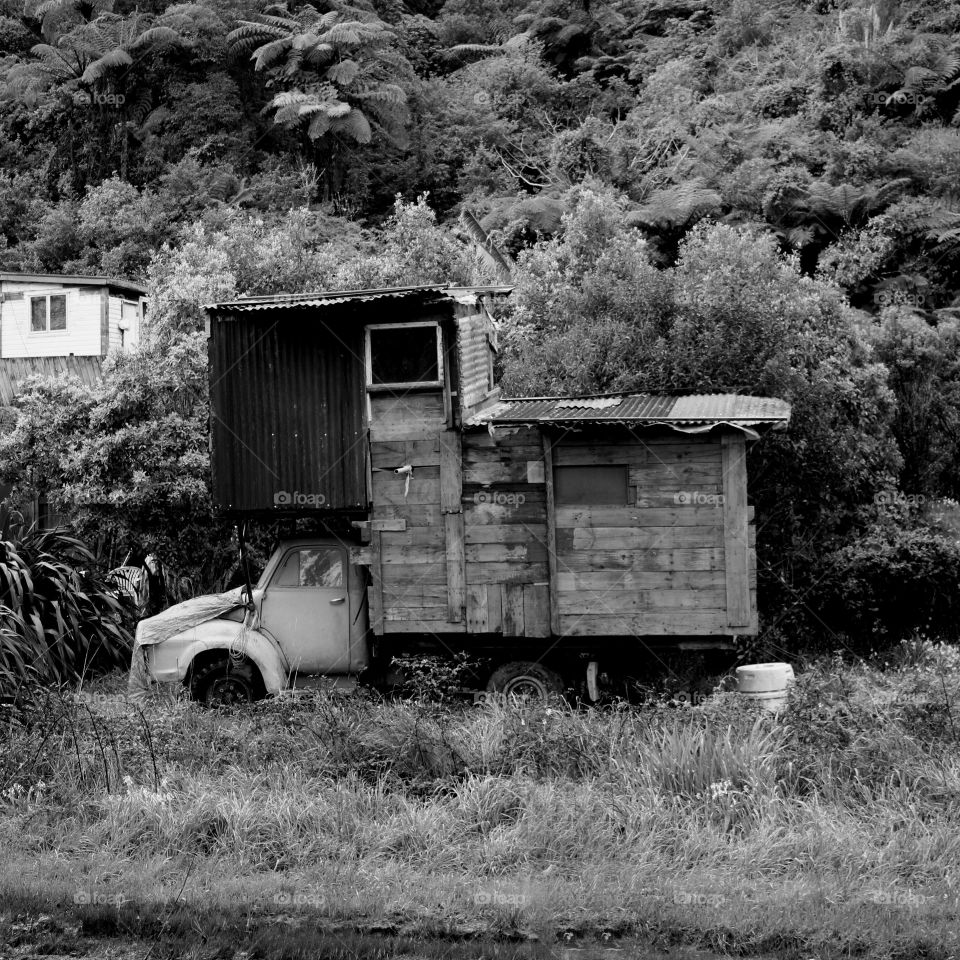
x,y
561,541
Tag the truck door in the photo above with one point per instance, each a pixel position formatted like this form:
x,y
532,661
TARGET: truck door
x,y
306,609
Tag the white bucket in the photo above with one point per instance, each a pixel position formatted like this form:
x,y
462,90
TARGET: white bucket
x,y
765,683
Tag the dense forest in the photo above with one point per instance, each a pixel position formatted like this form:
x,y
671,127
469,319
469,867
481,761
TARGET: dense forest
x,y
707,195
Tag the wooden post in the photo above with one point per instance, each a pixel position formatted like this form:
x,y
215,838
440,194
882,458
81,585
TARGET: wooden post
x,y
735,538
451,509
375,590
551,536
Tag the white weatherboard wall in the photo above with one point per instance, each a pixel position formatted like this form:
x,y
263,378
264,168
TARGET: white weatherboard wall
x,y
81,338
131,336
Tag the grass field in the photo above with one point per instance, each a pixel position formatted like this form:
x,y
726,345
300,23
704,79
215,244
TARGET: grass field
x,y
830,830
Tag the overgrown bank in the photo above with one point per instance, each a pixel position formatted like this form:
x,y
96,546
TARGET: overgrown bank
x,y
832,829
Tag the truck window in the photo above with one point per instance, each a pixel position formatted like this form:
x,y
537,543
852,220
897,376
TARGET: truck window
x,y
311,567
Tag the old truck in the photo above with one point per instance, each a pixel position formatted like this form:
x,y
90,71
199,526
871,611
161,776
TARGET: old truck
x,y
559,540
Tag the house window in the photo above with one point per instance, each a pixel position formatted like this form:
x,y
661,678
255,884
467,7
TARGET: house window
x,y
311,567
48,313
593,484
404,354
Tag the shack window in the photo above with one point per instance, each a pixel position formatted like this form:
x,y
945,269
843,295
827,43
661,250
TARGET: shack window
x,y
311,567
48,313
406,354
596,483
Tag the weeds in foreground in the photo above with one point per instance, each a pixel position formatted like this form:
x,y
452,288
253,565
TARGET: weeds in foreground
x,y
742,820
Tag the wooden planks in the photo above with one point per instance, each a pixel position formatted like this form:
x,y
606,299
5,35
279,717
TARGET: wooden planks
x,y
553,596
735,540
451,485
658,564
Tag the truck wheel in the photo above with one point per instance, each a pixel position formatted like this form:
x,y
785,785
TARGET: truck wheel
x,y
224,683
525,679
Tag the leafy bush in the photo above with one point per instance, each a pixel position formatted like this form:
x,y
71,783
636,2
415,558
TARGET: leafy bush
x,y
59,620
891,582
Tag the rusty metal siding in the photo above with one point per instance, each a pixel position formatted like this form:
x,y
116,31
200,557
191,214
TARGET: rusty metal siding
x,y
638,408
286,412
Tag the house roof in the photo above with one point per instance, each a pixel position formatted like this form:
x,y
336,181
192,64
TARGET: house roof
x,y
326,298
73,280
691,413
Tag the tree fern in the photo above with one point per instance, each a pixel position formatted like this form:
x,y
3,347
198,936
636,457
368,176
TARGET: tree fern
x,y
338,67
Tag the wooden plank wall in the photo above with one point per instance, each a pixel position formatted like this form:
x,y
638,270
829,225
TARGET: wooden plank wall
x,y
678,560
417,594
505,533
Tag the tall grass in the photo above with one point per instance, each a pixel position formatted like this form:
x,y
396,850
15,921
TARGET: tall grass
x,y
59,620
832,827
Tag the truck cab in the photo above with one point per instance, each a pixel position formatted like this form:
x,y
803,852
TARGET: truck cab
x,y
307,618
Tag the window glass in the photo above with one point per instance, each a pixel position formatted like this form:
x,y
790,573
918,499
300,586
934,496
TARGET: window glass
x,y
311,567
58,313
128,311
38,314
404,355
596,483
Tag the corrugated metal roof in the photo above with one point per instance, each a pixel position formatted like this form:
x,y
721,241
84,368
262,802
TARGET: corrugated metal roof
x,y
639,408
332,297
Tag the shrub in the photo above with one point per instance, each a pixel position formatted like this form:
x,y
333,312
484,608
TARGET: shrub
x,y
892,582
59,620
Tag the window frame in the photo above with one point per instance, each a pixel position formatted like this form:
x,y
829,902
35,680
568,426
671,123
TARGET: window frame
x,y
562,502
409,384
279,569
47,330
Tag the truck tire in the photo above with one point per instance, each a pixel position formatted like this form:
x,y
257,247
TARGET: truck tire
x,y
226,683
522,678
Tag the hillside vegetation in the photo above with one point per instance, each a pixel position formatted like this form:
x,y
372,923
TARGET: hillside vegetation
x,y
712,195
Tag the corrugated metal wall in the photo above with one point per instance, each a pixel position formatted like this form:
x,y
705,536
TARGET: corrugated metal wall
x,y
287,400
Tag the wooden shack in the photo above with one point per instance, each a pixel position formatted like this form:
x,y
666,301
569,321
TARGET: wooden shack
x,y
527,522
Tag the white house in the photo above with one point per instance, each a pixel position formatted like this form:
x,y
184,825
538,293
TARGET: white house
x,y
46,315
54,325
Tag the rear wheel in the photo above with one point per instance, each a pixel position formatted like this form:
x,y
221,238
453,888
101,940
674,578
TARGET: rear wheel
x,y
523,678
225,683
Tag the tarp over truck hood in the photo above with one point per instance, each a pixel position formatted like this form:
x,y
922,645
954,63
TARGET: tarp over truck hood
x,y
174,620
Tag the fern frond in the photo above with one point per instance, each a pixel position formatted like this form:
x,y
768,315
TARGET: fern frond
x,y
100,68
354,125
156,36
344,72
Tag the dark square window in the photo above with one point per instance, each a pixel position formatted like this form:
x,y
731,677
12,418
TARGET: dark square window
x,y
593,484
404,354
